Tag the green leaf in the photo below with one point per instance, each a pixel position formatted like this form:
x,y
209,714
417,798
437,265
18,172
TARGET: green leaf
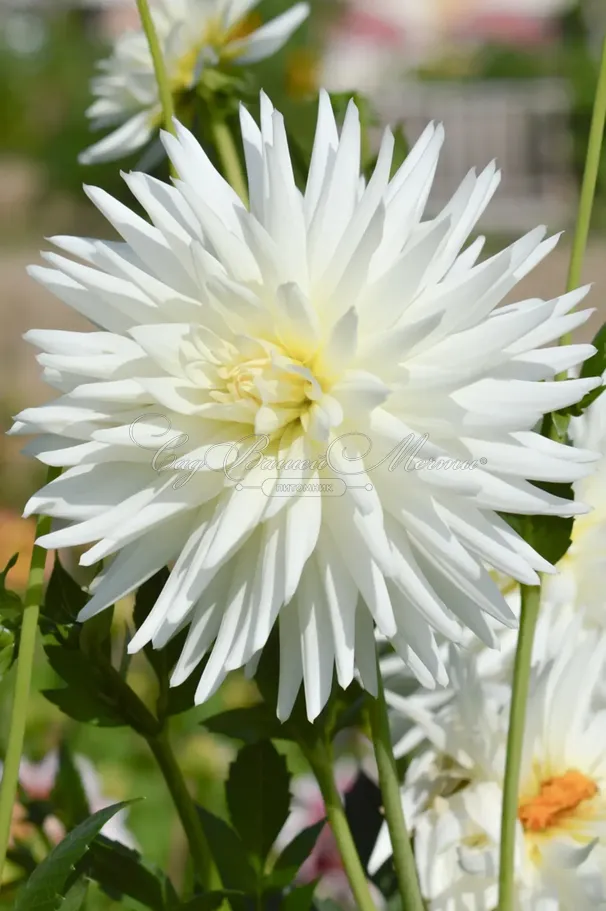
x,y
300,899
251,724
7,650
119,871
11,606
211,900
64,598
327,904
42,892
294,855
75,898
549,535
596,365
85,698
68,795
229,853
258,796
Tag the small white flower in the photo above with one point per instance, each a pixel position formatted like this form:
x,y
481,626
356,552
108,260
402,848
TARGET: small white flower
x,y
333,330
193,35
453,791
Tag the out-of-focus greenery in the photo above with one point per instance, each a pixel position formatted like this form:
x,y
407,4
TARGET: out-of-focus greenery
x,y
47,58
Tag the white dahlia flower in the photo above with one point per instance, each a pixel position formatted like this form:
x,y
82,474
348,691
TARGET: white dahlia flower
x,y
453,791
254,404
193,35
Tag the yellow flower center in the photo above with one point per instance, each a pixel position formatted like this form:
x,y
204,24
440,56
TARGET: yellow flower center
x,y
218,40
557,799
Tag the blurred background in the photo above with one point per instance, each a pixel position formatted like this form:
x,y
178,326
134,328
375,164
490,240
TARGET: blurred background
x,y
511,79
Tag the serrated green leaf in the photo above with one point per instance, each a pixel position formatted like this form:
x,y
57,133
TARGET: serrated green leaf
x,y
68,795
250,724
294,855
258,796
229,853
300,899
119,871
43,890
64,598
549,535
85,697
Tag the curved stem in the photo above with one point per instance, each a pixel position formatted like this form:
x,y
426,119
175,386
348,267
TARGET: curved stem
x,y
164,88
531,602
185,806
403,856
590,179
25,664
320,761
228,153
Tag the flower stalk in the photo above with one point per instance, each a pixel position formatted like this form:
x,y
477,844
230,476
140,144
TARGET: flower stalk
x,y
25,664
531,602
164,87
590,179
403,856
228,155
320,759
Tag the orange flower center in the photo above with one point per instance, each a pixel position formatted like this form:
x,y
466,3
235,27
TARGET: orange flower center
x,y
556,798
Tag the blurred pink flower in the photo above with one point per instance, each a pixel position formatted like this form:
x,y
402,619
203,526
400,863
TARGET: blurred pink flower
x,y
324,863
38,780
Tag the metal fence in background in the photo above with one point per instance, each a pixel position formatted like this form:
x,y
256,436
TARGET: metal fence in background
x,y
523,124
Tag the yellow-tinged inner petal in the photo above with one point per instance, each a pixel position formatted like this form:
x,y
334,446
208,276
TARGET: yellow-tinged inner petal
x,y
215,38
557,798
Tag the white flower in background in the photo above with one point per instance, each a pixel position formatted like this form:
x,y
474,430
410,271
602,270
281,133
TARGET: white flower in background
x,y
453,791
324,864
37,779
332,331
193,35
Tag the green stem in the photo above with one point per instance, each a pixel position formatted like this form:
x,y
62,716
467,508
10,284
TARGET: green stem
x,y
320,760
164,88
185,806
590,179
228,153
403,856
25,664
531,601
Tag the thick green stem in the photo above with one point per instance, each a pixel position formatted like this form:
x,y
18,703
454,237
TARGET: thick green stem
x,y
164,87
531,601
590,179
320,760
185,806
25,664
230,160
403,856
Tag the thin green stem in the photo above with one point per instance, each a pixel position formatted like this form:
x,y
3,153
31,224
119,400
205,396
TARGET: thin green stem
x,y
25,664
228,153
320,760
403,856
531,601
164,87
185,806
590,179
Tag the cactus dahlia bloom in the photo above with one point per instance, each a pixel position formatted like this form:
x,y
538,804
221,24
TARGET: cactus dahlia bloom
x,y
193,35
312,410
